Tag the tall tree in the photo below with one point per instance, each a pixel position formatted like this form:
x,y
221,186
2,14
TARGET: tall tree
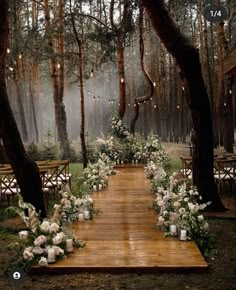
x,y
81,85
187,58
25,169
56,63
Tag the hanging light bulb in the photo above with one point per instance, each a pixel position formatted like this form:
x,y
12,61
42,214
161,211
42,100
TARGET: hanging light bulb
x,y
154,84
112,101
109,101
94,98
230,92
183,88
91,74
58,65
178,107
150,99
8,50
98,98
128,105
20,56
122,80
225,104
119,104
134,104
155,106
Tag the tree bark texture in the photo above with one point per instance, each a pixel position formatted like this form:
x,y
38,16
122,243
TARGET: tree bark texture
x,y
187,58
57,73
25,169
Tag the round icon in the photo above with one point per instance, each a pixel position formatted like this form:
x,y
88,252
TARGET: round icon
x,y
16,275
215,13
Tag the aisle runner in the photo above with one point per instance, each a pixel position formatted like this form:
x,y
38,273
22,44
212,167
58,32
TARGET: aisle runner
x,y
124,236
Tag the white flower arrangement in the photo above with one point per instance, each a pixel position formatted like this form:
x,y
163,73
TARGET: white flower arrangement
x,y
41,235
97,174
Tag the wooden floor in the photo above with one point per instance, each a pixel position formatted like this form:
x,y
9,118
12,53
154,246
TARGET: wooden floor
x,y
124,237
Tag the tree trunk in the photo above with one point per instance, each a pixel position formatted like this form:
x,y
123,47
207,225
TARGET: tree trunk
x,y
57,76
25,169
82,112
121,70
187,58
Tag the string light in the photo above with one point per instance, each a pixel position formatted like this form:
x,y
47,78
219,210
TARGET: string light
x,y
11,68
182,88
122,80
155,106
112,101
109,101
225,104
134,104
58,65
154,84
178,107
230,92
91,74
20,56
98,98
8,50
94,98
150,99
119,104
128,105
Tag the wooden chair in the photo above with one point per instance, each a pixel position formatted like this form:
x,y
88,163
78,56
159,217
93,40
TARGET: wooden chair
x,y
186,167
8,185
64,175
225,171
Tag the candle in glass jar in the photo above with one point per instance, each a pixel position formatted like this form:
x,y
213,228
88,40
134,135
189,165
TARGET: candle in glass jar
x,y
173,230
183,235
81,217
69,245
86,215
95,188
51,255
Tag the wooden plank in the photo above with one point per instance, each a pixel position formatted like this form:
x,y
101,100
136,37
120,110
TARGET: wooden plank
x,y
124,235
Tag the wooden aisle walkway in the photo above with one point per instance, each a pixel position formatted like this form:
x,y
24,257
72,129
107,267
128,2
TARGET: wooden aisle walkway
x,y
124,237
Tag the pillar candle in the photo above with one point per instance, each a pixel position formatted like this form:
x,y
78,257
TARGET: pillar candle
x,y
183,235
51,255
69,245
86,215
173,230
81,217
95,188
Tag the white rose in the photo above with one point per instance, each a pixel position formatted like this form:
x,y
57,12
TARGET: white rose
x,y
181,210
161,220
58,250
176,204
65,194
200,218
38,250
43,262
27,254
45,225
191,206
23,235
40,240
54,227
58,239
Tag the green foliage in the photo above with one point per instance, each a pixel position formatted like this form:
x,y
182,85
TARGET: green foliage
x,y
68,152
33,151
49,150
